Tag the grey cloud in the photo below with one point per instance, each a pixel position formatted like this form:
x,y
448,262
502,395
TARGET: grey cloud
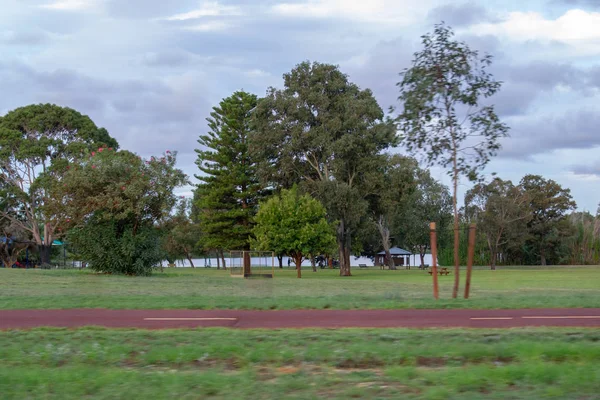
x,y
24,38
592,4
145,116
523,84
458,15
167,58
544,134
546,75
589,169
381,71
142,9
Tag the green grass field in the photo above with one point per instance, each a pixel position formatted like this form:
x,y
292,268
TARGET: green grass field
x,y
300,364
370,288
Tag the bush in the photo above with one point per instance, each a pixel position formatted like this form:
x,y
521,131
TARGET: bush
x,y
113,247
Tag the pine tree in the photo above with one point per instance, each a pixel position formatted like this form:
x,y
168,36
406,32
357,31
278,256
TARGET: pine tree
x,y
229,192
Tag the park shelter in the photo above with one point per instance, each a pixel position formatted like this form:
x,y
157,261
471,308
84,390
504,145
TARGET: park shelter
x,y
400,257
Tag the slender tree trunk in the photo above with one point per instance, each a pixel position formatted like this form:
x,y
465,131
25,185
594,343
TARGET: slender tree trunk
x,y
543,257
298,261
385,241
422,255
344,243
218,260
223,259
456,232
329,262
280,259
493,257
190,260
312,262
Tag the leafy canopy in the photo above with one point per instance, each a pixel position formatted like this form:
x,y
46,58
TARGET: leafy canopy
x,y
444,113
293,224
114,203
228,194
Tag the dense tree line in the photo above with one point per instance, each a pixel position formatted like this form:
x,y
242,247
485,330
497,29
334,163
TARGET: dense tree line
x,y
310,169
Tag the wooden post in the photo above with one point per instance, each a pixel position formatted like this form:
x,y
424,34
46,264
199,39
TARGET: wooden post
x,y
470,255
434,260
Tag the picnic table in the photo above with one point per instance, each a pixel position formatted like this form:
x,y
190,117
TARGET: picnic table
x,y
441,271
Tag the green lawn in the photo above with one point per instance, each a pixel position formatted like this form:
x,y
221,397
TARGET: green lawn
x,y
371,288
347,363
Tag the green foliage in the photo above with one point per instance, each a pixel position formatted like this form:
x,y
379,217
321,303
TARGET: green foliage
x,y
181,234
229,192
118,247
113,203
501,212
429,202
36,143
293,224
443,111
585,243
548,203
326,134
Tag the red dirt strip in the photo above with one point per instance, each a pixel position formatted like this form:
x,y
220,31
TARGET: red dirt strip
x,y
278,319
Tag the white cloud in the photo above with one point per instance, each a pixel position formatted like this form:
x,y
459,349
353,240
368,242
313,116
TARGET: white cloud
x,y
71,5
211,26
378,11
207,9
578,28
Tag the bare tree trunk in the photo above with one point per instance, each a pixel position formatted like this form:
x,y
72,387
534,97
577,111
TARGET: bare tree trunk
x,y
218,260
422,255
543,257
190,260
280,259
223,259
329,262
456,232
298,261
312,262
385,241
344,243
44,252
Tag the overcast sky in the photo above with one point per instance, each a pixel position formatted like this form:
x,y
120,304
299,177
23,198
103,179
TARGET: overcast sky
x,y
150,70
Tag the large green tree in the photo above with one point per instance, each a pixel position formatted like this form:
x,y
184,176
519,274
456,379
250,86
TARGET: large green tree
x,y
114,204
37,142
501,211
325,133
229,191
293,224
445,114
549,203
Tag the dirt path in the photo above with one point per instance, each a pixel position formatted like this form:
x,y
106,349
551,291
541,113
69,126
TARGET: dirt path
x,y
161,319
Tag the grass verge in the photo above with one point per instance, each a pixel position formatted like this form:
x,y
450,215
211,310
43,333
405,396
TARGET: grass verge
x,y
372,288
347,363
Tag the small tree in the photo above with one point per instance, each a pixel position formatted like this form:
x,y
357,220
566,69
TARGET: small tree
x,y
293,224
181,234
444,115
